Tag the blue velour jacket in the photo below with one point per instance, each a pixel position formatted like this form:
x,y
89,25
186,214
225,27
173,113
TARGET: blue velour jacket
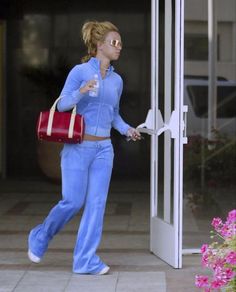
x,y
101,112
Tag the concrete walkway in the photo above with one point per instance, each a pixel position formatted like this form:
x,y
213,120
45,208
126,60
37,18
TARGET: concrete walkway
x,y
124,246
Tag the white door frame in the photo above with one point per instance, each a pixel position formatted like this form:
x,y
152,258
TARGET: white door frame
x,y
166,236
166,232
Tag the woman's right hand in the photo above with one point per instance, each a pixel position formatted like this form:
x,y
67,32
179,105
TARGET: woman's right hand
x,y
88,86
133,134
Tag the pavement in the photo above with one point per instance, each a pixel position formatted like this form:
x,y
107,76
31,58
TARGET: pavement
x,y
124,246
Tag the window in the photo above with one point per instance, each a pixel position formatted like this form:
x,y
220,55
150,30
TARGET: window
x,y
196,47
226,100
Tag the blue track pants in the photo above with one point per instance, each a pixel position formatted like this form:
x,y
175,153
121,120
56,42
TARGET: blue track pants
x,y
86,172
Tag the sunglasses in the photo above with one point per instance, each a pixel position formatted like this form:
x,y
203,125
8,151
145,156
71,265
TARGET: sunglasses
x,y
115,43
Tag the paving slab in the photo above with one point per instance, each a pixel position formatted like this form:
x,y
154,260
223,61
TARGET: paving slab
x,y
91,283
10,279
141,282
39,281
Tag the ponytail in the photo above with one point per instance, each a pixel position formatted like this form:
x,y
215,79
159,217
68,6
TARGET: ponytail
x,y
92,33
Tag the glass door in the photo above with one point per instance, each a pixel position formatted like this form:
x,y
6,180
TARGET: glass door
x,y
165,122
210,156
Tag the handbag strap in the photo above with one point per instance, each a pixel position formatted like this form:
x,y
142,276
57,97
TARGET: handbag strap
x,y
51,115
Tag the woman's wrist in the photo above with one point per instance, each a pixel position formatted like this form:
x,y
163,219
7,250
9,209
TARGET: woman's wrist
x,y
129,132
133,134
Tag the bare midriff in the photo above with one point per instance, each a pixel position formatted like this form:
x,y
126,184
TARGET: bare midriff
x,y
94,138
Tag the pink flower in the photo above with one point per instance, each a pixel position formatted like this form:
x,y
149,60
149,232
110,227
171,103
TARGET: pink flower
x,y
217,284
204,248
231,258
205,260
216,223
220,257
201,281
222,276
232,216
226,231
229,274
218,263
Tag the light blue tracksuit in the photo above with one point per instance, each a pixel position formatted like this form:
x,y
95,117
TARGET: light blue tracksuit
x,y
86,167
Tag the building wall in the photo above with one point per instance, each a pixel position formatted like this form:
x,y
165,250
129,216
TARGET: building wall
x,y
38,33
196,15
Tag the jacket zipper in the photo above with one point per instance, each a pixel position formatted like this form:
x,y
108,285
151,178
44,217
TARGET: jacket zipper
x,y
100,104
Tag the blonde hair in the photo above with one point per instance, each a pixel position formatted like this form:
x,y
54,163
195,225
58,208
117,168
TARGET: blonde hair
x,y
92,33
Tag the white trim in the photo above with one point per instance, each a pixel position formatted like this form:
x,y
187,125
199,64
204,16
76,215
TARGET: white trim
x,y
187,251
154,96
71,126
51,115
182,126
167,109
39,124
177,140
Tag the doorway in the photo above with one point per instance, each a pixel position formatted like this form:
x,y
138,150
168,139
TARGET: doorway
x,y
160,92
166,123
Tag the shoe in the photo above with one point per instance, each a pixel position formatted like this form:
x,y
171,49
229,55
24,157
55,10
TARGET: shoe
x,y
104,271
33,257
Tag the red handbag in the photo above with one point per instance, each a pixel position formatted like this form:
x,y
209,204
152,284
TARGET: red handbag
x,y
63,127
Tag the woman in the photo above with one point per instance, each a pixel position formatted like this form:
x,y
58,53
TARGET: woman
x,y
87,167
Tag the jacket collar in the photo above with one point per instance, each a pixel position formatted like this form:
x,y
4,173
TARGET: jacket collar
x,y
95,63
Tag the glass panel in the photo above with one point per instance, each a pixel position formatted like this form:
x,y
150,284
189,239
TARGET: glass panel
x,y
166,106
165,177
196,47
226,100
161,166
2,105
160,103
209,166
172,108
35,39
172,182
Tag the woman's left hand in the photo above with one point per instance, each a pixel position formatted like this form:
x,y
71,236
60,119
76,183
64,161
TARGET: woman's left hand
x,y
133,134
